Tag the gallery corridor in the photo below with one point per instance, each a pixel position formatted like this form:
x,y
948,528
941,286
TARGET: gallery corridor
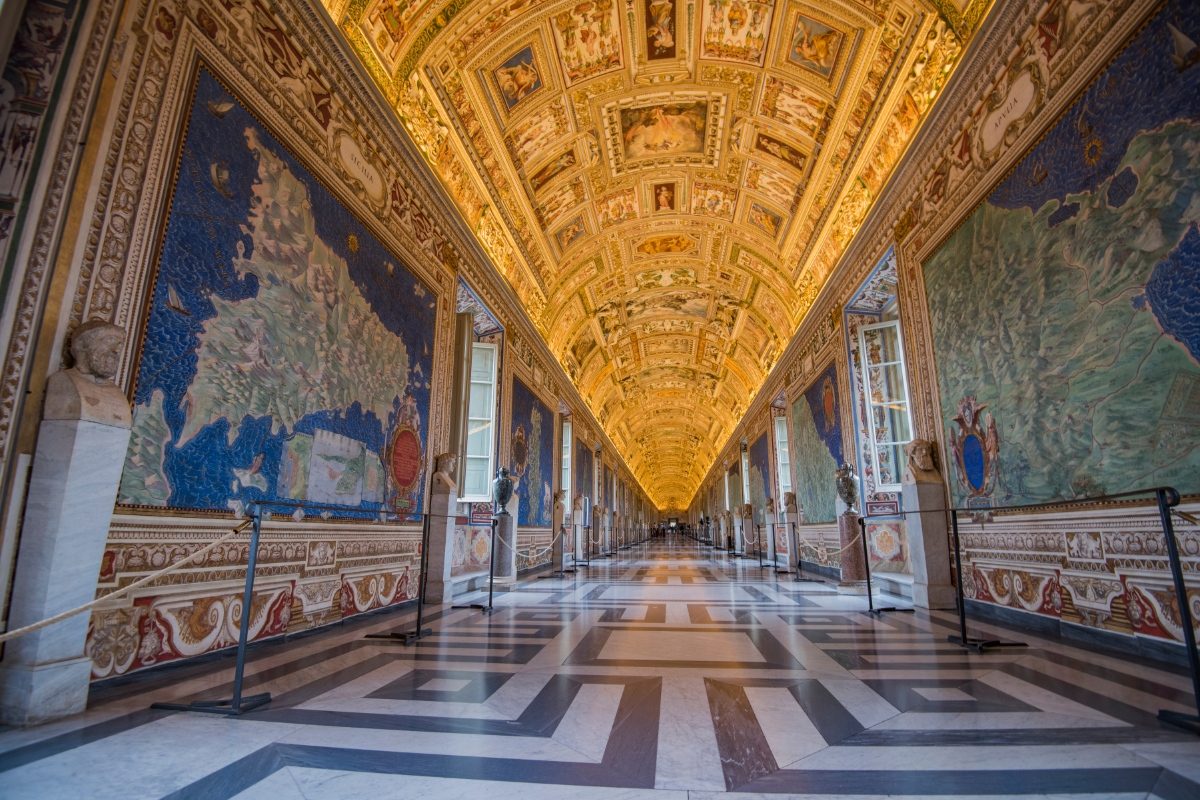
x,y
667,671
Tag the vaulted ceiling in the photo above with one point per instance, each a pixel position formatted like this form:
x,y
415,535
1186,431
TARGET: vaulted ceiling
x,y
665,184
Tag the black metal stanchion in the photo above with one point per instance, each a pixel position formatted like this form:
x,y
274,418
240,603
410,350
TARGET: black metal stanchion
x,y
420,630
238,704
1168,498
587,549
963,640
871,609
486,609
562,570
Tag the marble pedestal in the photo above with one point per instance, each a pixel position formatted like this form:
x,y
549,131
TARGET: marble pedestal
x,y
560,534
506,548
928,541
793,540
76,470
439,588
769,533
854,573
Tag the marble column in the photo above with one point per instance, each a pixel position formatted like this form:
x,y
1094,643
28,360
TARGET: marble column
x,y
928,536
854,573
76,471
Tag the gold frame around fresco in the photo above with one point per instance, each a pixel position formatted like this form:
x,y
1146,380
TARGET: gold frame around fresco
x,y
649,70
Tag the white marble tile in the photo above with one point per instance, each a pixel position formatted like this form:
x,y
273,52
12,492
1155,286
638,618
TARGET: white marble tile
x,y
789,732
688,757
279,785
588,723
444,685
943,695
153,759
470,745
972,757
863,702
320,784
1044,699
651,645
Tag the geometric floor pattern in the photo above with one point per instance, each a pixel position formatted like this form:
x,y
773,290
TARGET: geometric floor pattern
x,y
667,672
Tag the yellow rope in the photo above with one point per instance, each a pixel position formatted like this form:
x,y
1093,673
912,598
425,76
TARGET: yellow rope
x,y
37,626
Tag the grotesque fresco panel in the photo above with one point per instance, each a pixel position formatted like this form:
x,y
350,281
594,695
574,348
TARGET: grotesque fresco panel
x,y
713,200
737,31
532,448
781,150
794,106
552,170
663,129
286,353
618,207
760,476
765,220
530,138
1064,311
589,38
814,46
816,446
388,23
735,486
660,29
570,233
518,77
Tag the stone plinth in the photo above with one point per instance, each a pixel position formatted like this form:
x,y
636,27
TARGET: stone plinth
x,y
854,573
439,558
506,548
76,470
928,541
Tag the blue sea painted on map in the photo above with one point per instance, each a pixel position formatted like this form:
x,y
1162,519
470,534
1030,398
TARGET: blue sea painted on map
x,y
535,420
1077,286
208,230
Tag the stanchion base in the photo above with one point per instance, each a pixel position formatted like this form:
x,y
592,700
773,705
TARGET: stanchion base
x,y
474,607
223,707
406,638
893,610
1189,722
556,575
979,645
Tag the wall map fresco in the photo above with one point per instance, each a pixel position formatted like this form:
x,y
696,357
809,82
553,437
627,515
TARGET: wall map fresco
x,y
287,352
532,460
816,445
1064,310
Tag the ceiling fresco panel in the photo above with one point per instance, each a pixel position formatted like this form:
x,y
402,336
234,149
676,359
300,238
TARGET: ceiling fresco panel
x,y
666,184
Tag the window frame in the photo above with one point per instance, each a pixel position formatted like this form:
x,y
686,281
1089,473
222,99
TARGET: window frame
x,y
783,457
492,423
869,405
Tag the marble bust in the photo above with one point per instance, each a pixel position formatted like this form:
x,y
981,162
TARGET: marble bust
x,y
770,505
922,462
577,506
86,392
446,464
789,502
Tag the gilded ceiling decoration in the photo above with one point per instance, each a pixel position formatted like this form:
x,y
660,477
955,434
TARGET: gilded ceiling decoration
x,y
665,184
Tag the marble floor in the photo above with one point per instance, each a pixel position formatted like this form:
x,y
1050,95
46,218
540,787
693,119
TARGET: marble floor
x,y
668,672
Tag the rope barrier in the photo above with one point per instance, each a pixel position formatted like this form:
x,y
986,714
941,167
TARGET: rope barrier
x,y
37,626
531,554
822,553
